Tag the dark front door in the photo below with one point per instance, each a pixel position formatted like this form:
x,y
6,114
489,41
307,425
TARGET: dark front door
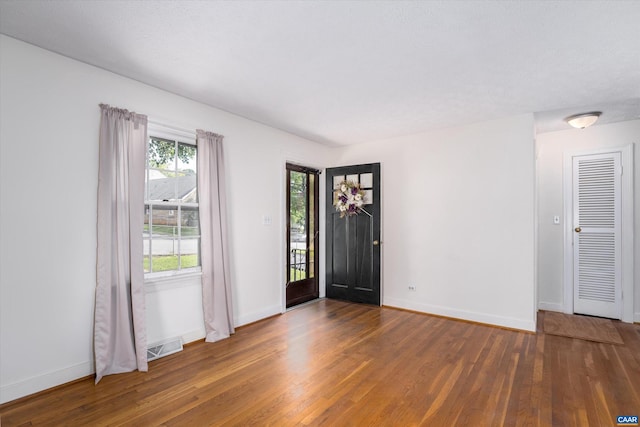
x,y
353,241
302,234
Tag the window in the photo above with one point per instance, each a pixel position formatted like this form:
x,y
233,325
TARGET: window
x,y
171,224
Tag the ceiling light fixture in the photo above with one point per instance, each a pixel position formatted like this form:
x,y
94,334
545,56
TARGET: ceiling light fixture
x,y
584,120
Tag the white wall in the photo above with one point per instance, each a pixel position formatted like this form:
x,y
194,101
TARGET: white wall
x,y
458,220
551,148
49,119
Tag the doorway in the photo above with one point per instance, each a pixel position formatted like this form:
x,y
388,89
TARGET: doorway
x,y
302,235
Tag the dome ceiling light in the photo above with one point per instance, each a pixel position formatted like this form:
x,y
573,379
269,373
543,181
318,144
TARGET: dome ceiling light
x,y
584,120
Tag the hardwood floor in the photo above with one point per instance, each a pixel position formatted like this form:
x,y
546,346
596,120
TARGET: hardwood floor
x,y
334,363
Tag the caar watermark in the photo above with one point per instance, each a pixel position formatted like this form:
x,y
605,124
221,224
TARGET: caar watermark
x,y
627,420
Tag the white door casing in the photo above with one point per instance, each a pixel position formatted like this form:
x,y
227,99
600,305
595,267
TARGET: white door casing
x,y
599,258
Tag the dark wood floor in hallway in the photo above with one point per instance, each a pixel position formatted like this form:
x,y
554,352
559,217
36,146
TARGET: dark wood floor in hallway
x,y
333,363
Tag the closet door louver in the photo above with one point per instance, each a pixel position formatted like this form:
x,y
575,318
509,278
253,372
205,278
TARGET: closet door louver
x,y
597,239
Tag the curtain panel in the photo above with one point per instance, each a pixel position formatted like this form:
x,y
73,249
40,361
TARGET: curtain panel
x,y
119,330
214,248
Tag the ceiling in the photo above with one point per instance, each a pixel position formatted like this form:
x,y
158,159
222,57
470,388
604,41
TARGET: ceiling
x,y
344,72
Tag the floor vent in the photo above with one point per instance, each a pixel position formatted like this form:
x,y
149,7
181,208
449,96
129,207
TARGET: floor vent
x,y
164,348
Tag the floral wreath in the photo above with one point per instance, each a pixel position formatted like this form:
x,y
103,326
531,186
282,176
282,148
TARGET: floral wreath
x,y
349,198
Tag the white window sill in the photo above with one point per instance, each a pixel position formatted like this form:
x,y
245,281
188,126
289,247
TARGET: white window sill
x,y
172,280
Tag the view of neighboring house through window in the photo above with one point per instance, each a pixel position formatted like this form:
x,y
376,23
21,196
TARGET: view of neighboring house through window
x,y
172,227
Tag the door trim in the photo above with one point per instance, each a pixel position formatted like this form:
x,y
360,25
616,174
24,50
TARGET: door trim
x,y
626,227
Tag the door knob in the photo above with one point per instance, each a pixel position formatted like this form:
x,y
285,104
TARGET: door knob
x,y
376,243
578,229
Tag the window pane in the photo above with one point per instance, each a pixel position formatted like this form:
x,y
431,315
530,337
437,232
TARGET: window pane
x,y
187,158
187,168
162,259
162,153
162,187
147,219
146,255
190,249
164,222
164,234
180,187
190,220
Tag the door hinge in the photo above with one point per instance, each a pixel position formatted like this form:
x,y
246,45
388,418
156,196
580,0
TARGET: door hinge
x,y
620,170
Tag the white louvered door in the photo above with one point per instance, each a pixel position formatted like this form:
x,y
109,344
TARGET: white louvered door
x,y
597,287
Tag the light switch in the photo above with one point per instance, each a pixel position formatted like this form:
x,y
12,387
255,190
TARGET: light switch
x,y
556,219
266,219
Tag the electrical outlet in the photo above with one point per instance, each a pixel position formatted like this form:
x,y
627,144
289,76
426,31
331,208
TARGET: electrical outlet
x,y
412,287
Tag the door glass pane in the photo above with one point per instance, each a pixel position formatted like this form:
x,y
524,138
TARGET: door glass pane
x,y
368,197
366,180
312,226
297,225
337,179
353,178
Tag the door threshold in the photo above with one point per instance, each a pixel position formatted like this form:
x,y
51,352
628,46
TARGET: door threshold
x,y
313,301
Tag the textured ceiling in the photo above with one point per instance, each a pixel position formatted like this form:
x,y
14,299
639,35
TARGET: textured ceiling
x,y
344,72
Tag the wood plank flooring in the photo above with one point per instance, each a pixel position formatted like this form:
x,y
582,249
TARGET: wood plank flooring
x,y
339,364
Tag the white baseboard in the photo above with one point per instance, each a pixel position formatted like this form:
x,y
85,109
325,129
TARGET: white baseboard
x,y
507,322
192,336
636,317
38,383
257,315
551,306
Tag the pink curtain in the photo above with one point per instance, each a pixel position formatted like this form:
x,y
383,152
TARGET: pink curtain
x,y
214,248
119,332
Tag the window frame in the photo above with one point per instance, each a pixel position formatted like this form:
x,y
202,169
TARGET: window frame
x,y
177,135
